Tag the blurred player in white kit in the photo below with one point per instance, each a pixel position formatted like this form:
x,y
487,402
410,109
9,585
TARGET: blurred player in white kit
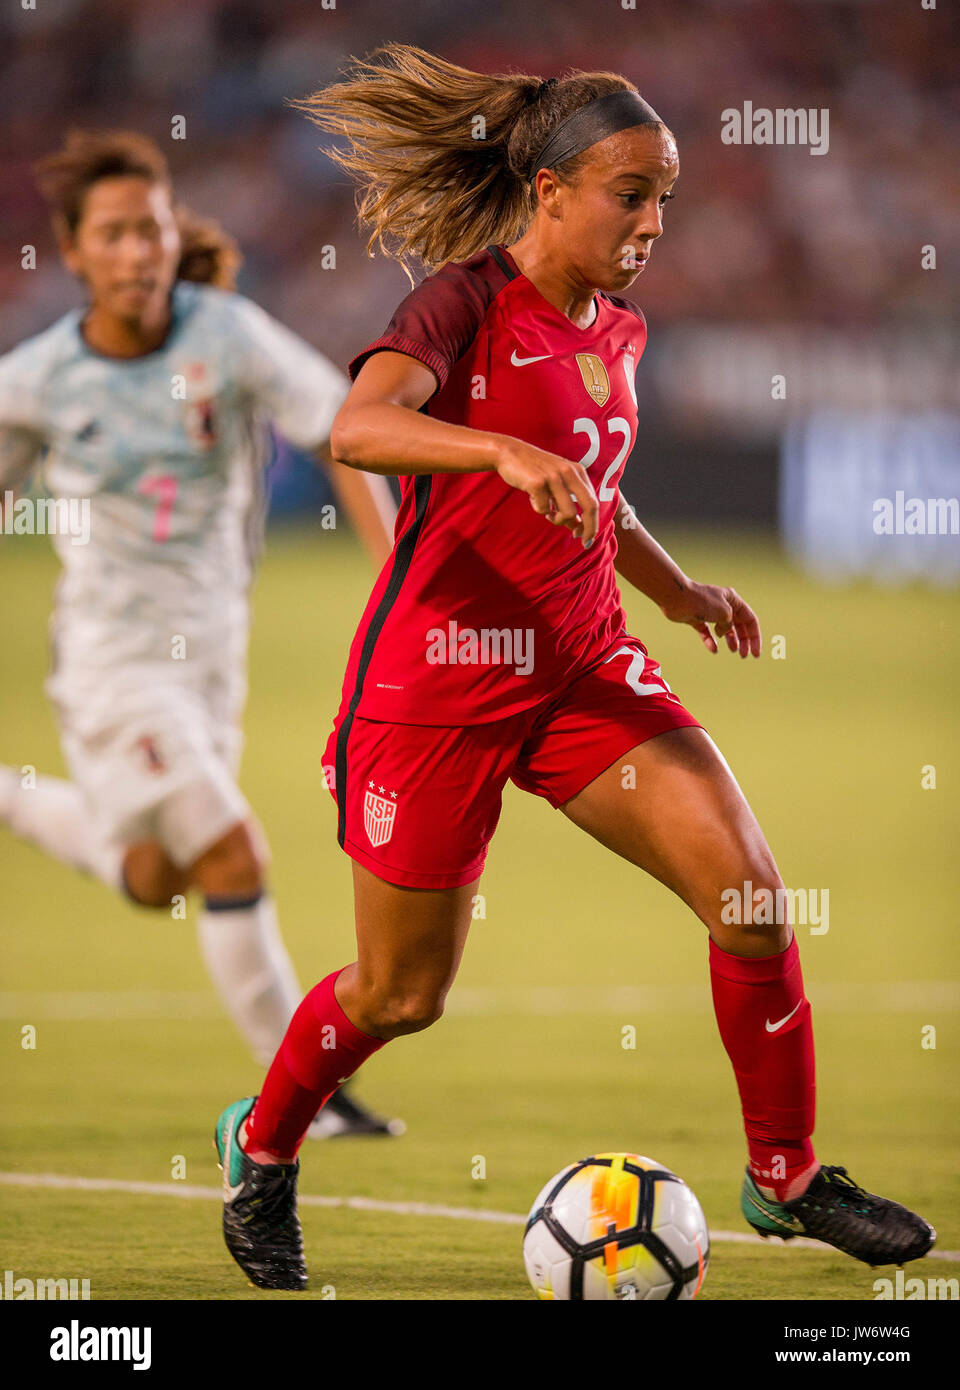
x,y
153,402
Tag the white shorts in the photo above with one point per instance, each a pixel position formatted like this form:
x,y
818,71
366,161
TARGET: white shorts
x,y
163,764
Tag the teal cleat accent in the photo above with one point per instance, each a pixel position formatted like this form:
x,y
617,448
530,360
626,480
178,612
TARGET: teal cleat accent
x,y
261,1228
767,1217
228,1150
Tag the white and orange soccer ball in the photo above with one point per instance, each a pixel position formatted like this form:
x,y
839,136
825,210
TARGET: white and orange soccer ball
x,y
616,1226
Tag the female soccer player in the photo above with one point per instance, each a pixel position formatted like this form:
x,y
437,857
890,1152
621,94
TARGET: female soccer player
x,y
150,402
494,645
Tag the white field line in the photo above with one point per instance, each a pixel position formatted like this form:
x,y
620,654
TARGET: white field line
x,y
903,996
498,1218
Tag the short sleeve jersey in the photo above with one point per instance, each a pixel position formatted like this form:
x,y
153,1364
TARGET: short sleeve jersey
x,y
167,452
485,608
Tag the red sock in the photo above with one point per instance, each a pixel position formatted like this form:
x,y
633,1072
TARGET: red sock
x,y
774,1066
320,1049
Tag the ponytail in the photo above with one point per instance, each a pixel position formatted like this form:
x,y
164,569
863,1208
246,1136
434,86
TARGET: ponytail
x,y
441,155
209,255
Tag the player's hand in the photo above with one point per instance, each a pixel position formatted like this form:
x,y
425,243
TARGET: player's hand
x,y
559,489
732,618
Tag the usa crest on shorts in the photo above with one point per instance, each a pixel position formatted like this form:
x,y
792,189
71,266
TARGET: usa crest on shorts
x,y
379,814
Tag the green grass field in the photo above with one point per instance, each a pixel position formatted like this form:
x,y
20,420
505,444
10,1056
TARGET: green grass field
x,y
133,1059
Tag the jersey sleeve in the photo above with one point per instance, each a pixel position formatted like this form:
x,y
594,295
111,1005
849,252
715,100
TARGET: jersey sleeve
x,y
299,388
635,312
436,323
22,437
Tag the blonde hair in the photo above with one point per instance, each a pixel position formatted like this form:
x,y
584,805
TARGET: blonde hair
x,y
440,154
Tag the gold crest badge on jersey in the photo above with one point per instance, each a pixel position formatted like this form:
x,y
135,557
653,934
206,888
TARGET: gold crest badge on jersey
x,y
595,378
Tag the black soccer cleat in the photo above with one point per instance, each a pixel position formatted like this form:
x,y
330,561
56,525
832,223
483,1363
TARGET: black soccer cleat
x,y
345,1118
835,1210
260,1223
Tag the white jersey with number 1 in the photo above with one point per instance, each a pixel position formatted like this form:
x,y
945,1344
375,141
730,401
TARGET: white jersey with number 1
x,y
169,448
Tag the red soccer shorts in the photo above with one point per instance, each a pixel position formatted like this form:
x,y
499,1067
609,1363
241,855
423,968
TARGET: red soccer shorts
x,y
421,802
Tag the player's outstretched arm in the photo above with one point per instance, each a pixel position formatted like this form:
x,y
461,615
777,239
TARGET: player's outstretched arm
x,y
647,566
380,428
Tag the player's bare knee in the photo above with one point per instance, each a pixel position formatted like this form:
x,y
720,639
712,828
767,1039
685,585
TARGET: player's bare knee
x,y
259,845
155,895
754,916
150,878
230,868
411,1012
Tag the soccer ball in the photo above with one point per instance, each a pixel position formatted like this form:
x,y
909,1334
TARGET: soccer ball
x,y
616,1226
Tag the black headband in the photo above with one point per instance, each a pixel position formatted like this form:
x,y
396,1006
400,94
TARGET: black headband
x,y
595,121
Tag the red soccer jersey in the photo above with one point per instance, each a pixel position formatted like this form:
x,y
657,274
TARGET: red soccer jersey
x,y
484,608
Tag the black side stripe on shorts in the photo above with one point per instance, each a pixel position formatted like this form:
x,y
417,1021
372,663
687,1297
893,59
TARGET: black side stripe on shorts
x,y
510,274
401,563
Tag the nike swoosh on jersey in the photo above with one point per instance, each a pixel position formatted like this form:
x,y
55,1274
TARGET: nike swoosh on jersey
x,y
525,361
772,1027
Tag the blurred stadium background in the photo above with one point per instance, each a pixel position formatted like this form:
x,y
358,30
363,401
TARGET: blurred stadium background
x,y
774,261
